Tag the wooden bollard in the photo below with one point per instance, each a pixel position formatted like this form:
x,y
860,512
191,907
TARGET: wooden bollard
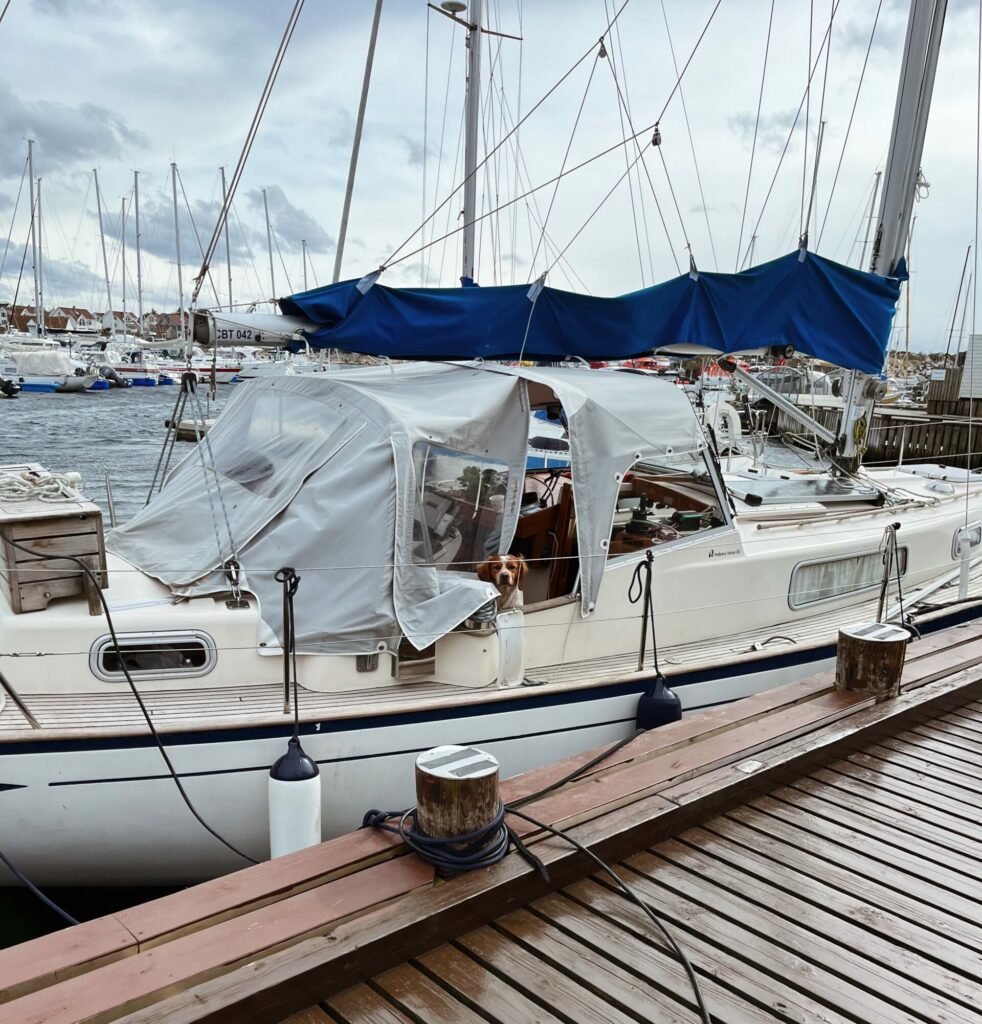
x,y
456,791
871,658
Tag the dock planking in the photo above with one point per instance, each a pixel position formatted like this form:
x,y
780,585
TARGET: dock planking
x,y
816,855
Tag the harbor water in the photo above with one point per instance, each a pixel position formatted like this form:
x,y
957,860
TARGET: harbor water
x,y
122,431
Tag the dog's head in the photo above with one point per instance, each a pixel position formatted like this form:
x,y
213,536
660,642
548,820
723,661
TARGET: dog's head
x,y
505,571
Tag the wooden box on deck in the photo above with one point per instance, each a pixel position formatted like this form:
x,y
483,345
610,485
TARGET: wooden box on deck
x,y
63,528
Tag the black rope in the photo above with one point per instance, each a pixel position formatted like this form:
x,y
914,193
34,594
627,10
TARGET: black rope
x,y
489,845
28,884
96,587
646,907
291,581
639,587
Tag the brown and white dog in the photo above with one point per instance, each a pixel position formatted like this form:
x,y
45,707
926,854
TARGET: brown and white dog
x,y
507,573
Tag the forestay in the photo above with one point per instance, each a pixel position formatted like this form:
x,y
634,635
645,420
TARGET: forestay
x,y
821,308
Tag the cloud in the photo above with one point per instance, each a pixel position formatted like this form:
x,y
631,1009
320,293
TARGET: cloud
x,y
64,280
414,151
772,131
157,228
291,224
65,135
61,8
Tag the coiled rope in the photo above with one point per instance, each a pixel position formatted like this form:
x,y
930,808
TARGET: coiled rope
x,y
31,486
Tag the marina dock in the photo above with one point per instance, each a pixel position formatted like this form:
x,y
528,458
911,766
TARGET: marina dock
x,y
814,852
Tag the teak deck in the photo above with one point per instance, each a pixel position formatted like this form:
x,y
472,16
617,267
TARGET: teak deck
x,y
818,856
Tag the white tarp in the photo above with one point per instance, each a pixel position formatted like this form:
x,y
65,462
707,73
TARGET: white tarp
x,y
44,363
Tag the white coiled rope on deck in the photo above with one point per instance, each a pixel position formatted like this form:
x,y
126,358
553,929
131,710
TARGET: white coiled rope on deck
x,y
30,486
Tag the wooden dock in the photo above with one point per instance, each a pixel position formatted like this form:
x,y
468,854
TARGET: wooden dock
x,y
817,855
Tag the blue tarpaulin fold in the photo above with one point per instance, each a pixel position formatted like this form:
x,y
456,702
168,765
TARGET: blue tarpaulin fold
x,y
822,308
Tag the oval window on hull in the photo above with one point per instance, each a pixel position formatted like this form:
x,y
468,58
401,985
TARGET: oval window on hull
x,y
156,655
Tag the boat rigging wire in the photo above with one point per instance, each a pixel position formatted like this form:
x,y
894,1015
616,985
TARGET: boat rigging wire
x,y
23,260
13,218
822,124
794,124
958,302
852,114
247,147
197,237
393,261
562,166
96,587
808,104
618,44
692,146
6,7
521,165
426,138
611,63
753,144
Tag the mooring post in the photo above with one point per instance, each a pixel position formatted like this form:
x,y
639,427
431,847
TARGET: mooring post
x,y
456,791
870,658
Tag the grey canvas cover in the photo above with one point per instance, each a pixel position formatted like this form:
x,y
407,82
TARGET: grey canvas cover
x,y
384,486
317,473
614,420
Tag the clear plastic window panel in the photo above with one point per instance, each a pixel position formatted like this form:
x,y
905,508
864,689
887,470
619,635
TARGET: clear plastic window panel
x,y
664,498
459,507
821,581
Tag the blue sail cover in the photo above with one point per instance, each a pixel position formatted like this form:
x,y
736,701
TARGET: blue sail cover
x,y
822,308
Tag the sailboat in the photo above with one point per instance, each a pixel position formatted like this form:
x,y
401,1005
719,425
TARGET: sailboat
x,y
386,489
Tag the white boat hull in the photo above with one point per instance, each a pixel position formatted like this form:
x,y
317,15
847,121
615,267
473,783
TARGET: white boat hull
x,y
105,811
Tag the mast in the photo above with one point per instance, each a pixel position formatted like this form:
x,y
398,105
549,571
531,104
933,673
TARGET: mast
x,y
34,245
105,260
920,61
356,143
473,115
303,253
139,268
228,251
269,244
177,250
907,139
122,256
39,319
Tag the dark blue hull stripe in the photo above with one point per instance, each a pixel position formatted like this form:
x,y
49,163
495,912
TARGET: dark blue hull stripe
x,y
549,699
788,658
345,760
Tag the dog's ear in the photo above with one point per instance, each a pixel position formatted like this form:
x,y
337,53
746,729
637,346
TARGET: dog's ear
x,y
523,570
485,569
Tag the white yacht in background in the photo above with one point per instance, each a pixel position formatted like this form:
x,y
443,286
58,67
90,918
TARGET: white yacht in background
x,y
46,370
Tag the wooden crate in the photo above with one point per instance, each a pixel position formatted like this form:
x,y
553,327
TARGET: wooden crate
x,y
50,528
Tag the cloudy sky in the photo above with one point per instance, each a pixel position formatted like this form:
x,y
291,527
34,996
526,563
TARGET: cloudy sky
x,y
127,85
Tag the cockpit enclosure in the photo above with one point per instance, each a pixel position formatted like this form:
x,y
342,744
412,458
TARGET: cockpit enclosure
x,y
385,487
